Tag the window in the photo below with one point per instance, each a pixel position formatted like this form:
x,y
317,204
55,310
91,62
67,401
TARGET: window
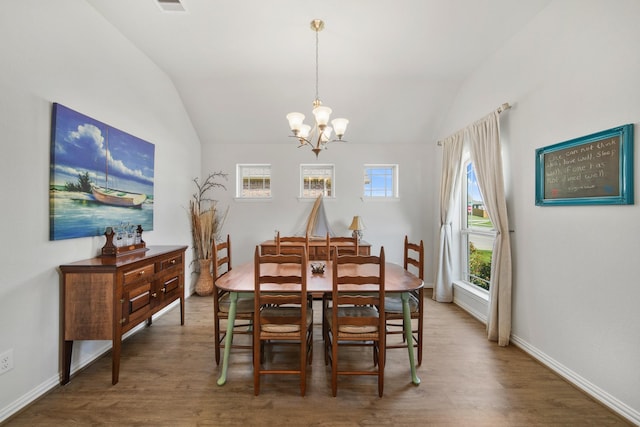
x,y
254,181
477,234
316,180
381,181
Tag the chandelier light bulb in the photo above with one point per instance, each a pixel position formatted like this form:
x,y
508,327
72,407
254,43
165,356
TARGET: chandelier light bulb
x,y
295,121
322,114
326,134
340,126
304,131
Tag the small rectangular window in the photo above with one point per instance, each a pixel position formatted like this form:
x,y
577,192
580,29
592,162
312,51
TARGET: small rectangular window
x,y
381,181
253,181
316,180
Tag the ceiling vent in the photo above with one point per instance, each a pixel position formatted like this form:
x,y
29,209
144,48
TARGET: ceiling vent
x,y
171,5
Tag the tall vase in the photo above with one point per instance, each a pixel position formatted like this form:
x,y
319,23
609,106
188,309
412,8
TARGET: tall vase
x,y
204,285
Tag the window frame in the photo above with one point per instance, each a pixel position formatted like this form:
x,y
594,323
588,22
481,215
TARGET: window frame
x,y
395,181
467,232
240,168
318,166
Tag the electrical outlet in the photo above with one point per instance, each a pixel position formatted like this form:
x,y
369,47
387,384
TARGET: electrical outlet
x,y
6,361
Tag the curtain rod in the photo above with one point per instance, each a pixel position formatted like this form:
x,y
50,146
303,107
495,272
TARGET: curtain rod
x,y
501,109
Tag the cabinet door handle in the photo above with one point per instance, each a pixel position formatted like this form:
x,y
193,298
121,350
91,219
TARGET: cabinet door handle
x,y
141,273
154,295
164,290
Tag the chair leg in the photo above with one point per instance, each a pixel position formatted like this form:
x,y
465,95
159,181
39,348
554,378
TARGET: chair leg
x,y
420,321
381,370
303,363
334,364
257,355
216,334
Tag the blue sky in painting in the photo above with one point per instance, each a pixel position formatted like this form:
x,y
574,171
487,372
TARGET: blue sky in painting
x,y
80,145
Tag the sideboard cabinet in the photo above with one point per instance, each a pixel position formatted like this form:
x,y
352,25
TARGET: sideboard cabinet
x,y
104,297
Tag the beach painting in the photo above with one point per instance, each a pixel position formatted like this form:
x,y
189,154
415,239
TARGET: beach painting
x,y
99,177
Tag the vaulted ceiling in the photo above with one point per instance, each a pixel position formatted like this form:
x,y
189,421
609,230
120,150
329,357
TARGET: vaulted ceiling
x,y
392,67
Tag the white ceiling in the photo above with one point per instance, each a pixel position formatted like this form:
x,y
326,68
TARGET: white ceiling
x,y
391,67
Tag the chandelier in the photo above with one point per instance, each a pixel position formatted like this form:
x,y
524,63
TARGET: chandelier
x,y
318,136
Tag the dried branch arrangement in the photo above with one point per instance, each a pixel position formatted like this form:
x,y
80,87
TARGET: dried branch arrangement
x,y
206,221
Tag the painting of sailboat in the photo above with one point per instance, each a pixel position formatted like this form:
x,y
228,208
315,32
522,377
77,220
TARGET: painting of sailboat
x,y
110,196
100,177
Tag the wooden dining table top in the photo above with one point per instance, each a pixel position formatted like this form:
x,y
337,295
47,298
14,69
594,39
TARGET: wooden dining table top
x,y
241,278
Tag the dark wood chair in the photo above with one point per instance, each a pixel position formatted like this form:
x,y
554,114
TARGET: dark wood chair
x,y
221,252
292,244
413,262
346,245
356,317
282,314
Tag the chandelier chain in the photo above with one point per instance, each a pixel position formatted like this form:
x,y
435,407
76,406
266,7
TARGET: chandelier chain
x,y
317,67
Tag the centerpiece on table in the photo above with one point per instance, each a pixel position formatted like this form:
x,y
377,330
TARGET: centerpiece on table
x,y
206,223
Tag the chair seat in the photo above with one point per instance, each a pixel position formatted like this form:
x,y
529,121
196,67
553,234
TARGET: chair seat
x,y
393,303
244,305
284,312
358,311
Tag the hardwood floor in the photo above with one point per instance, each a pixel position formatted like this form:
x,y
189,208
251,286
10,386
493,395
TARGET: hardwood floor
x,y
168,378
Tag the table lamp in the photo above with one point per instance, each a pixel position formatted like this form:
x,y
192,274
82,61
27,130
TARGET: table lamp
x,y
357,226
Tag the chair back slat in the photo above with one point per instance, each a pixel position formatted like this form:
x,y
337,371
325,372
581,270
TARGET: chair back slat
x,y
345,245
414,256
292,244
221,257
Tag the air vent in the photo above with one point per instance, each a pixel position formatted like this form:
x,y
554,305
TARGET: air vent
x,y
171,5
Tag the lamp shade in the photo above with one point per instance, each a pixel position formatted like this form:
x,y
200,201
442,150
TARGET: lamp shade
x,y
304,131
356,224
295,121
322,115
340,126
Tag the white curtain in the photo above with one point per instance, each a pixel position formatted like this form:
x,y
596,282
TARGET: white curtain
x,y
451,167
487,161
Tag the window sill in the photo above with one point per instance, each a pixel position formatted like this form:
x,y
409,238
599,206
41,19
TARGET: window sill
x,y
471,299
380,199
472,289
252,199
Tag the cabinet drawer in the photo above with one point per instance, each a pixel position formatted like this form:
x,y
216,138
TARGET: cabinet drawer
x,y
137,302
139,273
171,262
171,287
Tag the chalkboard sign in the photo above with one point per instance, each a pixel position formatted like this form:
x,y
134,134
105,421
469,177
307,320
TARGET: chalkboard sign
x,y
590,170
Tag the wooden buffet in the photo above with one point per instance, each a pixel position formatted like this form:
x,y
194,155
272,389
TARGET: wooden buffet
x,y
104,297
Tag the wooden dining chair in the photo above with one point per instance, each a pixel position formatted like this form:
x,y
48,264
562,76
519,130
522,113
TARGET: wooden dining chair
x,y
282,314
323,253
413,262
292,244
356,316
221,300
346,245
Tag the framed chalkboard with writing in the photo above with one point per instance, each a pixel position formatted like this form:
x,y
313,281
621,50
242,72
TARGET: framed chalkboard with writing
x,y
596,169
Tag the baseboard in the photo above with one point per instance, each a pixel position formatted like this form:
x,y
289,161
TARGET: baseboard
x,y
589,388
53,382
477,306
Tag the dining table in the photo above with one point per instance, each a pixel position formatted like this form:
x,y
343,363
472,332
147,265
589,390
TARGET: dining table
x,y
397,280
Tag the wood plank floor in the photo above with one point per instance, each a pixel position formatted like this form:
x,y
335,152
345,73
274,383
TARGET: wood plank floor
x,y
168,378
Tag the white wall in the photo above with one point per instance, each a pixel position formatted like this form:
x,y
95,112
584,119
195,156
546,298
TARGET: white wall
x,y
65,52
572,72
387,222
